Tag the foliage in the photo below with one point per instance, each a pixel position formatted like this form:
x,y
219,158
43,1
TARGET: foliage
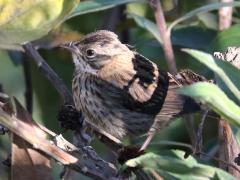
x,y
214,98
31,20
177,167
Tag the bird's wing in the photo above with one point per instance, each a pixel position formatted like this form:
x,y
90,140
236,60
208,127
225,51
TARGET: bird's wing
x,y
145,92
154,92
151,91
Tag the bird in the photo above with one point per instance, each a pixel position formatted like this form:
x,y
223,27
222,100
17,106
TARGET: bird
x,y
122,92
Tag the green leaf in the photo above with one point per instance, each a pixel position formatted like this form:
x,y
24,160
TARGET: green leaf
x,y
206,8
98,5
224,70
146,24
184,36
226,38
171,168
192,37
212,96
209,20
30,20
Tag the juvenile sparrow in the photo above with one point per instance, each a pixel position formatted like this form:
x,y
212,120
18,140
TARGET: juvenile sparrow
x,y
121,91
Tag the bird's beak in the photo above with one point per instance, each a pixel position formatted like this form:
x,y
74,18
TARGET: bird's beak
x,y
69,45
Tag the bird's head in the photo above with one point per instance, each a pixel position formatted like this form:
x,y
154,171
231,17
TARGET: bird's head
x,y
96,50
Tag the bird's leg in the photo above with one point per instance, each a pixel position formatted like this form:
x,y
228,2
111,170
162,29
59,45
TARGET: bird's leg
x,y
151,134
84,135
70,118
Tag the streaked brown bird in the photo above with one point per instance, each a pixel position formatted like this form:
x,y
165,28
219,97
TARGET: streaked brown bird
x,y
122,92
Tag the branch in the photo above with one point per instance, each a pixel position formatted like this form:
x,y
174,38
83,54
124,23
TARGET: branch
x,y
28,84
198,144
189,123
84,160
165,35
49,73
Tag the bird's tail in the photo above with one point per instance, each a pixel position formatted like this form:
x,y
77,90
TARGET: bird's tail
x,y
176,104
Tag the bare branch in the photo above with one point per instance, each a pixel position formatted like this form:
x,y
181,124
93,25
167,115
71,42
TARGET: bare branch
x,y
84,160
199,142
49,73
165,35
189,123
28,84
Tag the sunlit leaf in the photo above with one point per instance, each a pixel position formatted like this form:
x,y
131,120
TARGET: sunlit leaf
x,y
30,20
98,5
212,96
224,70
176,168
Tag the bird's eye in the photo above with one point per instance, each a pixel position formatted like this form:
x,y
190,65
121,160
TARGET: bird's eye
x,y
90,53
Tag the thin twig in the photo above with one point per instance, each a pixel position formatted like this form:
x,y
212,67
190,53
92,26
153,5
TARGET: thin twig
x,y
156,175
189,123
198,144
165,35
147,140
28,84
49,73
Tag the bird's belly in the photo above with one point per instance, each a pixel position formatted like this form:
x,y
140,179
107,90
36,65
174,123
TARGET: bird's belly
x,y
95,109
108,114
101,116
